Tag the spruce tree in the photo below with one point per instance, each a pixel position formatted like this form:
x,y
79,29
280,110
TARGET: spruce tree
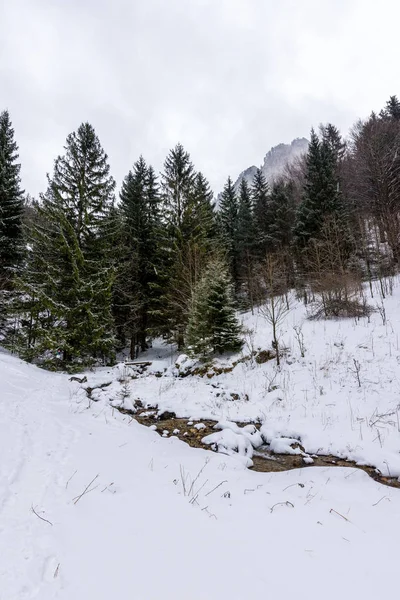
x,y
228,225
11,203
392,109
204,209
246,239
178,181
185,240
322,196
136,286
69,273
213,326
280,215
322,213
260,194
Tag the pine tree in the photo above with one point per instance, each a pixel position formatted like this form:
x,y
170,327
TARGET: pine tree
x,y
228,224
185,240
280,216
136,287
246,239
322,222
260,194
322,196
213,326
204,209
392,109
11,203
69,273
178,181
332,138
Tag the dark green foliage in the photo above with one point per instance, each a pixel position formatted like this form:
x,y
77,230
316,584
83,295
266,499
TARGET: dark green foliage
x,y
213,326
228,225
322,196
204,210
185,239
11,203
178,181
280,217
245,221
246,235
136,290
392,109
260,194
66,287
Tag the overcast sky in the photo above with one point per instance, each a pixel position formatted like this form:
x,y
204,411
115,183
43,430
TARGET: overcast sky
x,y
227,78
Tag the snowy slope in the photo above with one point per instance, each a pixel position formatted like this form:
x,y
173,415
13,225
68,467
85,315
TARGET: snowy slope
x,y
140,532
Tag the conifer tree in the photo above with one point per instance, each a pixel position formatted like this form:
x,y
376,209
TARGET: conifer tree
x,y
246,239
322,213
136,286
228,224
69,273
177,190
11,203
182,243
204,209
322,196
213,326
280,216
260,194
392,109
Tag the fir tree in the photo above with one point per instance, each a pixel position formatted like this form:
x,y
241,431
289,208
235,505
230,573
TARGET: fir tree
x,y
136,288
213,326
69,273
228,223
322,197
177,190
280,216
185,240
322,209
204,209
392,109
11,203
260,194
246,238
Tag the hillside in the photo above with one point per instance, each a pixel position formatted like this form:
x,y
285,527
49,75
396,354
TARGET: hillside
x,y
95,505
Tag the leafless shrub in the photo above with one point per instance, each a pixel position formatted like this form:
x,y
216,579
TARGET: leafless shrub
x,y
274,303
299,336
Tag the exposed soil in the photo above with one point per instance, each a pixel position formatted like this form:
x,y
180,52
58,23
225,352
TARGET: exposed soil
x,y
265,461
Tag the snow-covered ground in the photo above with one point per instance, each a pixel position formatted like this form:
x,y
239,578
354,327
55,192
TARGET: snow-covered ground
x,y
162,520
316,399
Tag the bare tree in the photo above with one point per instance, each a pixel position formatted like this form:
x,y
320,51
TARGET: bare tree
x,y
274,303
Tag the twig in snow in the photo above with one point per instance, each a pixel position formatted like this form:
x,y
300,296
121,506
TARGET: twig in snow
x,y
56,571
194,499
287,503
336,512
66,485
85,491
383,498
216,487
41,518
198,475
292,484
107,487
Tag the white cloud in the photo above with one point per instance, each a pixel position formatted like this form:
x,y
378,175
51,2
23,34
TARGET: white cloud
x,y
227,78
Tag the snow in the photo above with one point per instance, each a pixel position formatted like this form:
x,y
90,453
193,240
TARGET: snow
x,y
314,399
163,520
